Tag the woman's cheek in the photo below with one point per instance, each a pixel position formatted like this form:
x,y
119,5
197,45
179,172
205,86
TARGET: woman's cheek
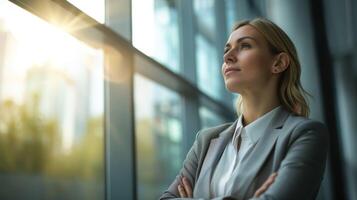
x,y
246,61
255,60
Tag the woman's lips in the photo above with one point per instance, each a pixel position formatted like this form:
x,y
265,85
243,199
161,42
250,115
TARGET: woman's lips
x,y
230,70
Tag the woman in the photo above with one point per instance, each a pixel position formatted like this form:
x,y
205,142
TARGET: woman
x,y
272,151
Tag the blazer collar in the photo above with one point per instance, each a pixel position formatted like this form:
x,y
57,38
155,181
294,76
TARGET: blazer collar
x,y
256,129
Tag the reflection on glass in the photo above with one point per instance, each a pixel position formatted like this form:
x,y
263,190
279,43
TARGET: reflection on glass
x,y
158,137
208,69
209,118
51,119
93,8
155,30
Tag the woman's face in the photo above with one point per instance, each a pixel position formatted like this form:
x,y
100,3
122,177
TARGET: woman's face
x,y
247,62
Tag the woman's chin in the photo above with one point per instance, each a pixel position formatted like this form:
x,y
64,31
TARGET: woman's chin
x,y
233,87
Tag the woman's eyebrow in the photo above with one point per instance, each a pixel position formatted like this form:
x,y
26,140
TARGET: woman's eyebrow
x,y
242,38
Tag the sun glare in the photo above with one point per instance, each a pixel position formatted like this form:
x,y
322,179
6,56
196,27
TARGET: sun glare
x,y
40,42
41,57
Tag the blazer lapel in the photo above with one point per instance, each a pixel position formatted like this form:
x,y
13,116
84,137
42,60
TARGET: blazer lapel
x,y
213,154
249,168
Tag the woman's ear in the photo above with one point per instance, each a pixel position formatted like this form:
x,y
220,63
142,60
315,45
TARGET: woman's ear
x,y
282,61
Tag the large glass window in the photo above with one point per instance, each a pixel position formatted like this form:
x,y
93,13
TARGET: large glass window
x,y
231,14
208,69
158,137
51,119
155,30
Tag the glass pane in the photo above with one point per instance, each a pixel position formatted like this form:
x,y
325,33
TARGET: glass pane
x,y
158,137
209,118
231,14
208,69
204,12
93,8
155,30
51,119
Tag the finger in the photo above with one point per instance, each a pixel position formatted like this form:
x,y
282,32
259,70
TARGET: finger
x,y
275,174
179,187
265,185
270,180
261,190
182,191
187,187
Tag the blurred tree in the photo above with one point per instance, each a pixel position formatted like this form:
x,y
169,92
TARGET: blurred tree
x,y
27,141
86,158
30,143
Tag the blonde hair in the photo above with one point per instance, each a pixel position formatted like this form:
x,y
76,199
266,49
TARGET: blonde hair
x,y
292,95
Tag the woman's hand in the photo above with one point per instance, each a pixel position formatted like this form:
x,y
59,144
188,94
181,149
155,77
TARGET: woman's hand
x,y
185,188
265,185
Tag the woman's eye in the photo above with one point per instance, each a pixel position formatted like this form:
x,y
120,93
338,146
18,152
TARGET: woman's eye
x,y
245,46
242,46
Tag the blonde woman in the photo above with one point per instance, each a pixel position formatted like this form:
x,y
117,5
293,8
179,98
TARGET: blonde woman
x,y
272,151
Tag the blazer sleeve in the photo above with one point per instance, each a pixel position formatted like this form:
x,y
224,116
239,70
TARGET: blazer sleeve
x,y
188,170
301,171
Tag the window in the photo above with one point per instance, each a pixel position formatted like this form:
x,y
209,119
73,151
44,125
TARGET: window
x,y
209,76
155,30
51,120
208,69
53,92
158,137
205,15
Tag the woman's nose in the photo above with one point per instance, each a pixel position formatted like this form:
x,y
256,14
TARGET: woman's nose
x,y
229,57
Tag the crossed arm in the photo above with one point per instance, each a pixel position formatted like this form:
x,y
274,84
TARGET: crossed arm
x,y
185,189
299,175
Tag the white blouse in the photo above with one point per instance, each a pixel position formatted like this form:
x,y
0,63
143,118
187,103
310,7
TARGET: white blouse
x,y
228,166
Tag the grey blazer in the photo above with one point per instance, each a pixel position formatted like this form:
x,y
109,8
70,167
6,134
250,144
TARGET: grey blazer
x,y
293,146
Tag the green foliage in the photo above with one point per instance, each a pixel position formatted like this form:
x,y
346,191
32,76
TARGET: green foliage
x,y
86,158
26,140
31,143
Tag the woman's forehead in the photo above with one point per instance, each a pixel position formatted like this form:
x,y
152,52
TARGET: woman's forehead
x,y
245,31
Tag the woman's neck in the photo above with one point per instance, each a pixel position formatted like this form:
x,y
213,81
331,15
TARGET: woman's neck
x,y
255,107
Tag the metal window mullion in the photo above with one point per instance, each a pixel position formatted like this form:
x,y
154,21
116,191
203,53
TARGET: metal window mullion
x,y
120,119
190,115
120,140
